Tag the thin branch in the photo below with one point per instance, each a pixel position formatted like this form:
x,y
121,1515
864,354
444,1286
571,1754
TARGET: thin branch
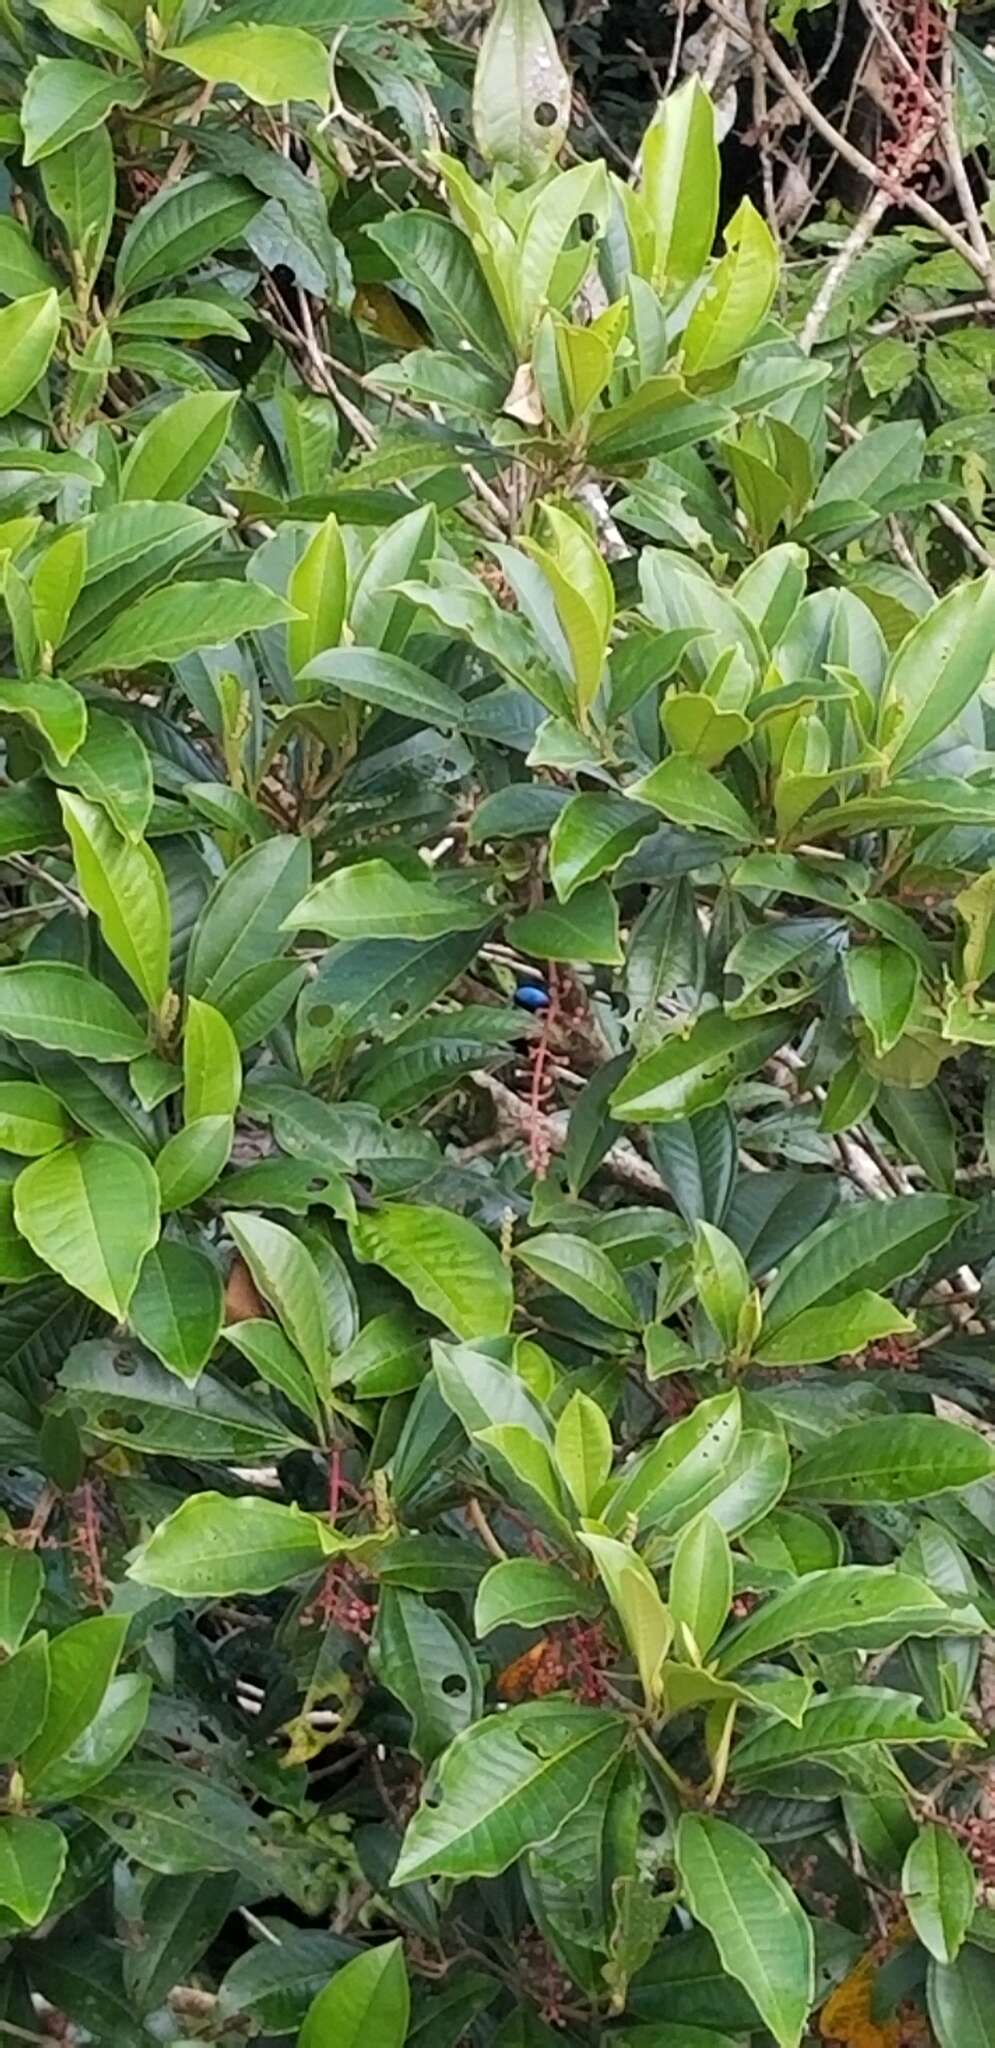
x,y
954,155
900,194
476,1515
846,255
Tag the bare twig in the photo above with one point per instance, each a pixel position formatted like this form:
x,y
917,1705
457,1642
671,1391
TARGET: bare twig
x,y
954,155
476,1515
903,195
846,255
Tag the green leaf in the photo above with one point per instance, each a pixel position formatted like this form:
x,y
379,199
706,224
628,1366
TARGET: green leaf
x,y
583,1451
444,1260
269,64
590,836
866,1607
318,589
818,1334
738,296
938,669
32,1860
421,1657
274,1358
883,982
687,1074
103,1743
429,252
529,1595
125,887
124,1394
700,1583
367,2000
519,73
213,1547
65,98
679,1473
584,929
691,795
584,1273
182,226
842,1722
94,23
287,1277
939,1888
91,1212
866,1245
507,1783
79,185
53,708
177,1308
680,183
384,679
762,1935
192,1160
183,619
721,1281
212,1069
112,768
29,330
24,1690
55,586
373,900
646,1622
241,925
82,1663
22,1579
32,1119
186,319
179,444
22,267
959,1997
903,1457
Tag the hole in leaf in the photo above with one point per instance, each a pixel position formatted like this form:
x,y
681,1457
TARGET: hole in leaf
x,y
545,114
184,1798
654,1822
454,1684
125,1364
124,1820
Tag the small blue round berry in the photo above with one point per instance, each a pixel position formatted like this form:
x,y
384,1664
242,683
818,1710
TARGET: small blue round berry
x,y
532,996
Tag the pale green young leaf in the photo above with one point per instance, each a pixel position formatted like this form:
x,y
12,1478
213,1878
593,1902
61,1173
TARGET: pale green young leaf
x,y
680,184
367,2001
212,1068
318,590
91,1212
700,1589
939,1887
270,64
288,1279
583,1450
124,886
65,98
179,444
29,330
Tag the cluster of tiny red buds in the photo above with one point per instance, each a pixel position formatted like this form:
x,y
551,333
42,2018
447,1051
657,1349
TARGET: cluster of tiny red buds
x,y
544,1979
340,1602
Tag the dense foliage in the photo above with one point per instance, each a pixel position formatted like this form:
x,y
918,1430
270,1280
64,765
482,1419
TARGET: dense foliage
x,y
497,1186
